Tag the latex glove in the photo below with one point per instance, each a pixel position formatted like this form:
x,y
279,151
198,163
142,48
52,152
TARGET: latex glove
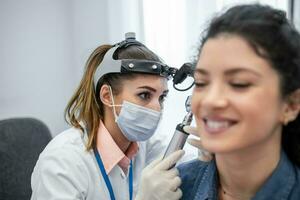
x,y
203,155
159,182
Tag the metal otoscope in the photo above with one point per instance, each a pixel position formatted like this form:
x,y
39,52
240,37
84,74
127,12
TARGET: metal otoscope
x,y
178,140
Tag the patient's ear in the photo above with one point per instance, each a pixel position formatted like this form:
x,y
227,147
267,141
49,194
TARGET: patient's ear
x,y
105,95
292,108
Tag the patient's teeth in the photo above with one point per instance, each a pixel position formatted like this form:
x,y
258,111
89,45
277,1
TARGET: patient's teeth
x,y
217,124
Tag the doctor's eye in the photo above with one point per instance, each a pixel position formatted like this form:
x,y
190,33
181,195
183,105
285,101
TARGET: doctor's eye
x,y
162,98
144,95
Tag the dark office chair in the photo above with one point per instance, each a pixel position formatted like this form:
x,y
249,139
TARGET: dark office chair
x,y
21,142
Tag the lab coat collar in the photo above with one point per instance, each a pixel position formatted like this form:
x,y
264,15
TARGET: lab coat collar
x,y
110,152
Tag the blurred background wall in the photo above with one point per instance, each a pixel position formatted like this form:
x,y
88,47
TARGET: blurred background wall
x,y
44,45
296,13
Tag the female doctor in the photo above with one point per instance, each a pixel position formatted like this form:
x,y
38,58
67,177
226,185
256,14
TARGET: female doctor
x,y
113,114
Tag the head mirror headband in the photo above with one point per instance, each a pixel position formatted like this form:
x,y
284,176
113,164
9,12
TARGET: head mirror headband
x,y
110,65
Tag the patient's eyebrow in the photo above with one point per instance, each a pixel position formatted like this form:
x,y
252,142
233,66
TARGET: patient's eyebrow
x,y
201,71
241,70
229,72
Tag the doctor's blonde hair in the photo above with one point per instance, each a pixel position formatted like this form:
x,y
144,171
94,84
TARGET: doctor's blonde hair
x,y
85,109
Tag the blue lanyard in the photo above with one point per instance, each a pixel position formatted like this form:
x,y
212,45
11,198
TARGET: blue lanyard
x,y
106,179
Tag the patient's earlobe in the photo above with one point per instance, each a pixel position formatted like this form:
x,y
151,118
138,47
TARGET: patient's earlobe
x,y
293,107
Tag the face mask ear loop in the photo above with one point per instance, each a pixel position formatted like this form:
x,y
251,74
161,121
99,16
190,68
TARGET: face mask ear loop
x,y
113,103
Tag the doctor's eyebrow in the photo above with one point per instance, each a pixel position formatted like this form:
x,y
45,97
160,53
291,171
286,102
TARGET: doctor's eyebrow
x,y
153,89
166,92
148,88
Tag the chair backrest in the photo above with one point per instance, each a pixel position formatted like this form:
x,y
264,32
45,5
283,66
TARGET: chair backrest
x,y
21,142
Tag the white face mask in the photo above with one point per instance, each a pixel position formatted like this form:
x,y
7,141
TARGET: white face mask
x,y
136,122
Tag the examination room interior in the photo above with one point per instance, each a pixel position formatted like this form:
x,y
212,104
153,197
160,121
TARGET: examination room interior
x,y
44,45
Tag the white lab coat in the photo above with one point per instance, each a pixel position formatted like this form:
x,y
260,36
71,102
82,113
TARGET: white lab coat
x,y
66,171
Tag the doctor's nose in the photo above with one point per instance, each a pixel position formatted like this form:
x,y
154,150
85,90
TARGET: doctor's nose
x,y
155,105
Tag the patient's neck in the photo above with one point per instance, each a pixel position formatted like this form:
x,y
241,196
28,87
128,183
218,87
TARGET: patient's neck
x,y
245,172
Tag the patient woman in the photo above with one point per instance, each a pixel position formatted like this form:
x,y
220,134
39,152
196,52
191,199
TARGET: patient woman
x,y
113,113
246,103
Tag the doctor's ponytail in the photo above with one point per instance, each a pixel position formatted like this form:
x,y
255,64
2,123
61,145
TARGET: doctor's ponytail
x,y
83,111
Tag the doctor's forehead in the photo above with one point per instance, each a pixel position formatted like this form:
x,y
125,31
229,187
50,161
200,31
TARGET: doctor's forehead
x,y
147,81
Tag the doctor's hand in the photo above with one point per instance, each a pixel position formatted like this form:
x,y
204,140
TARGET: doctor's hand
x,y
159,182
203,155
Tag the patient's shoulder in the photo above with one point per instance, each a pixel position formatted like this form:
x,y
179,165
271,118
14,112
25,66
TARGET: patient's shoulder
x,y
189,171
191,174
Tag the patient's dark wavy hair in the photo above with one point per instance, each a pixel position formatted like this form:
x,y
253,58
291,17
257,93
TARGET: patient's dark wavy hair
x,y
274,38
